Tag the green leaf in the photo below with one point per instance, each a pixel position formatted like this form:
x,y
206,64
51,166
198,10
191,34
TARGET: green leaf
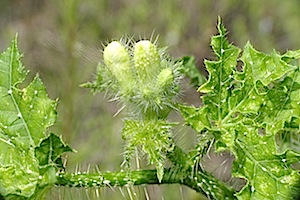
x,y
195,117
291,55
50,150
269,174
49,154
267,68
190,70
245,110
19,172
220,76
25,116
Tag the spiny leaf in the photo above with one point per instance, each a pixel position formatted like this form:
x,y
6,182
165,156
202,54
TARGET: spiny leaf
x,y
49,154
50,150
25,116
19,170
269,174
195,117
245,109
220,77
267,68
21,107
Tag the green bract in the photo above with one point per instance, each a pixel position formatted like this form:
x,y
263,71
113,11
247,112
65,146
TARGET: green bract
x,y
153,137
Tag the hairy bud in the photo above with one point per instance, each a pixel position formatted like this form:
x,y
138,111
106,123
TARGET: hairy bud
x,y
146,60
165,78
117,60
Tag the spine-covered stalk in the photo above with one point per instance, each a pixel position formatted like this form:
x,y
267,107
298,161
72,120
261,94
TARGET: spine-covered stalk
x,y
180,173
141,177
114,179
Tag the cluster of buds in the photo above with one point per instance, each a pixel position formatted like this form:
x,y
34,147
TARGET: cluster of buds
x,y
141,76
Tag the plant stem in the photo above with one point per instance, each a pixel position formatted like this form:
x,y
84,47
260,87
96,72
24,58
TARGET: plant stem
x,y
114,179
201,182
181,173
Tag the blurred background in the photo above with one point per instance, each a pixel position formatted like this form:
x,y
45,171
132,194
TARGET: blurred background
x,y
62,41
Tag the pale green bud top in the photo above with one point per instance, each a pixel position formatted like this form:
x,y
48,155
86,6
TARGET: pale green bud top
x,y
117,59
165,78
146,60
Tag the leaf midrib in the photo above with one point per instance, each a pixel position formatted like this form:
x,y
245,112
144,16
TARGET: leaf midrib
x,y
11,93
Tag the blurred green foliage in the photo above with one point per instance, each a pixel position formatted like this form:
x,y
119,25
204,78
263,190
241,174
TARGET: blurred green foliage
x,y
62,41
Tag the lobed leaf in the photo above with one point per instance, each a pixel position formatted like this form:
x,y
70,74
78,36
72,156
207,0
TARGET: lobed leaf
x,y
25,116
244,108
50,150
19,172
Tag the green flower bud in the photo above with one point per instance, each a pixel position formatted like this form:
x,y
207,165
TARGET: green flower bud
x,y
117,60
146,60
165,78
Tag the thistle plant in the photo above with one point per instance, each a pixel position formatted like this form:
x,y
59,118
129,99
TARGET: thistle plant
x,y
246,112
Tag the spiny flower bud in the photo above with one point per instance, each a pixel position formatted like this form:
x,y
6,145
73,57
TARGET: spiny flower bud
x,y
146,60
141,77
165,78
117,59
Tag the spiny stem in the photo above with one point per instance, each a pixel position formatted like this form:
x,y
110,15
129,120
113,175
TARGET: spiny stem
x,y
115,179
201,182
180,173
